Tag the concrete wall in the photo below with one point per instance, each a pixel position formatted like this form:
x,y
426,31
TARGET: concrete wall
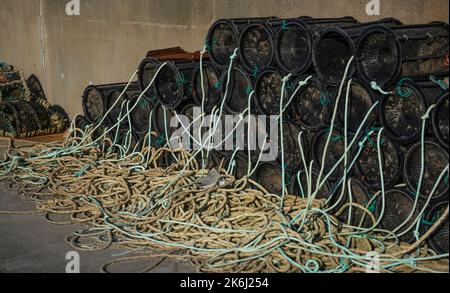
x,y
110,37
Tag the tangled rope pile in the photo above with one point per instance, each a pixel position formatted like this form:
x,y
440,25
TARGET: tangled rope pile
x,y
129,198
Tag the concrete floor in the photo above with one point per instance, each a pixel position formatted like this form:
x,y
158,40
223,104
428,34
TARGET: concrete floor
x,y
28,244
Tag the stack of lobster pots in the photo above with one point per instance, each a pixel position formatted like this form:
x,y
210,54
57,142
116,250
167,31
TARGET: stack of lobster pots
x,y
393,114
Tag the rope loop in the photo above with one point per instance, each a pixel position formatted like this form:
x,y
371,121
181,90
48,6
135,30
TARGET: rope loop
x,y
399,90
440,83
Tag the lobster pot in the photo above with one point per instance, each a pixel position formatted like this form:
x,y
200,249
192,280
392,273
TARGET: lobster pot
x,y
311,107
350,214
398,207
59,119
8,121
439,239
36,90
173,84
13,85
335,151
210,89
80,125
295,39
223,38
324,192
367,164
238,164
386,53
237,90
23,117
140,116
335,46
257,45
401,113
93,101
269,176
435,161
360,101
268,92
146,72
292,153
115,101
440,121
162,117
42,114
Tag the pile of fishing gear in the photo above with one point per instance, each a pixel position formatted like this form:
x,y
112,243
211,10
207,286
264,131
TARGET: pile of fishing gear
x,y
24,109
359,183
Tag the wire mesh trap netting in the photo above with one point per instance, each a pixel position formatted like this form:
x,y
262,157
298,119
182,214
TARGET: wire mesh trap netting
x,y
28,112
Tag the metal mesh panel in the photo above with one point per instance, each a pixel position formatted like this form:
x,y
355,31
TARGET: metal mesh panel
x,y
159,123
294,48
58,118
141,114
147,71
13,85
211,87
168,88
335,152
93,106
402,116
359,103
368,166
29,120
332,53
379,56
36,89
398,206
292,154
110,99
439,239
268,92
7,123
436,159
361,196
269,176
222,40
42,114
256,47
239,88
311,105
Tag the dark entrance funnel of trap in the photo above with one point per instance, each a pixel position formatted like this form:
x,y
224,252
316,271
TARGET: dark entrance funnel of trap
x,y
335,46
295,40
223,38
